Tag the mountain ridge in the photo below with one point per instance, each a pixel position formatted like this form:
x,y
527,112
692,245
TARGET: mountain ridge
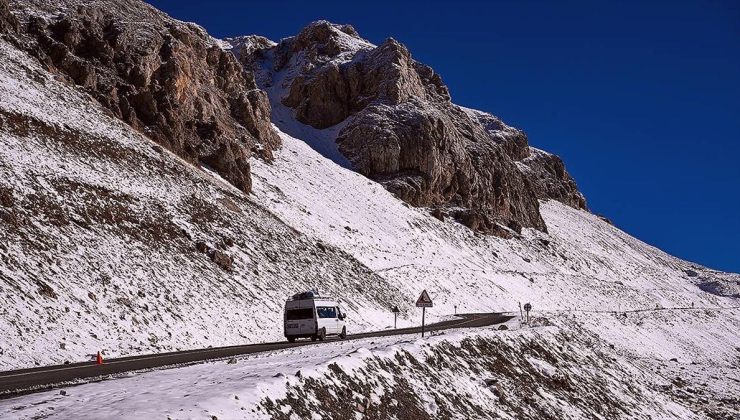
x,y
397,125
111,242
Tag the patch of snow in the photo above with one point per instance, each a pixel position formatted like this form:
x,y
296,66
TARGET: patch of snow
x,y
104,254
225,389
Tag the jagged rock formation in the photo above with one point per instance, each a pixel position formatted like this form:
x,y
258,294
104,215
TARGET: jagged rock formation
x,y
399,127
550,179
8,22
166,78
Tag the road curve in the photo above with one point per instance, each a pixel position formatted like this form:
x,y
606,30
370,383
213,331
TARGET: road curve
x,y
22,381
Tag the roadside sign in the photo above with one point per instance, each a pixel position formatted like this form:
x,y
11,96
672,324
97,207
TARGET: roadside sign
x,y
395,310
527,307
424,300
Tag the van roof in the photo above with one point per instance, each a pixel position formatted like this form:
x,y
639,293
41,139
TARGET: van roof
x,y
294,299
310,295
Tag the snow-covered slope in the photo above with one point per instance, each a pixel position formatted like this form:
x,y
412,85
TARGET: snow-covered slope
x,y
651,307
583,263
540,373
108,242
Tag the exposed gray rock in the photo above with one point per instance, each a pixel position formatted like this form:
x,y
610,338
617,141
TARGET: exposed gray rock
x,y
723,287
6,196
222,259
249,47
166,78
398,126
550,179
8,22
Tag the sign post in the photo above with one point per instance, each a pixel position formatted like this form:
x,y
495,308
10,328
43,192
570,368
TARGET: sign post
x,y
395,315
423,302
521,315
527,308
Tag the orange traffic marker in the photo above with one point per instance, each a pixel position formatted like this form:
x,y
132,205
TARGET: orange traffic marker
x,y
99,359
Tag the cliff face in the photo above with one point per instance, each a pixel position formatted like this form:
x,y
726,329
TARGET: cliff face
x,y
390,116
395,123
168,79
8,22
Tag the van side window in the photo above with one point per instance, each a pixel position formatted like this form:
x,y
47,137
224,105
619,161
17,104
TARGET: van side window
x,y
326,312
296,314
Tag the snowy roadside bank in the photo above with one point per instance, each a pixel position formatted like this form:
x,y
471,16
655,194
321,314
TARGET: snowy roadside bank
x,y
692,354
545,371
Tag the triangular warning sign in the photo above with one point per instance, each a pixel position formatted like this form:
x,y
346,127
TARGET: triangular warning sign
x,y
424,300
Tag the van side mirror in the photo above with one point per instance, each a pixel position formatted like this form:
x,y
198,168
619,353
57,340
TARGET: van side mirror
x,y
342,316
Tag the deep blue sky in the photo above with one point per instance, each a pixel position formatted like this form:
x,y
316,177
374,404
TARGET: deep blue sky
x,y
642,101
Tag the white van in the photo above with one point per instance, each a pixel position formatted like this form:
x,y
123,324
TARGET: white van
x,y
309,315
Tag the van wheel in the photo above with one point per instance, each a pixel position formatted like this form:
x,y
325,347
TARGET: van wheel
x,y
291,339
313,338
343,334
322,334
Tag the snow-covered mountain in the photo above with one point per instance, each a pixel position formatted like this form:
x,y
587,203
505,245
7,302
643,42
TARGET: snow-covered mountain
x,y
391,118
109,242
669,317
129,235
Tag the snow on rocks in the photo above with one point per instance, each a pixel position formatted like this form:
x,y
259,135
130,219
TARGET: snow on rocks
x,y
583,268
583,263
544,372
99,240
109,243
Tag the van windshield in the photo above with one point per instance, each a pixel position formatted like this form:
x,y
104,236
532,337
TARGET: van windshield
x,y
326,312
296,314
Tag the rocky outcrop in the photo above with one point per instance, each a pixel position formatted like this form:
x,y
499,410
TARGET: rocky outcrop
x,y
166,78
333,92
545,171
397,125
8,23
250,47
550,179
432,159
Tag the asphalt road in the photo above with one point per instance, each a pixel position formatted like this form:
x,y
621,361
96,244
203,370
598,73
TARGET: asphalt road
x,y
24,381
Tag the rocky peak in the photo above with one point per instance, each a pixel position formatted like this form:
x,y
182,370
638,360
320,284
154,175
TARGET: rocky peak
x,y
249,47
398,76
325,39
166,78
399,127
318,43
340,74
249,44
